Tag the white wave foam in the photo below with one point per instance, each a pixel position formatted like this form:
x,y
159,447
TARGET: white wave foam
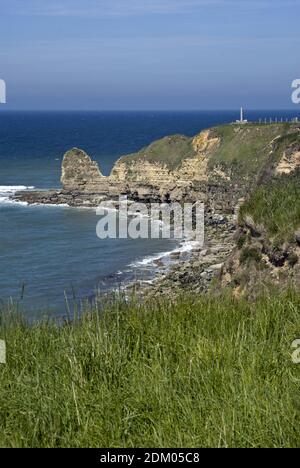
x,y
184,247
8,201
14,188
48,205
7,191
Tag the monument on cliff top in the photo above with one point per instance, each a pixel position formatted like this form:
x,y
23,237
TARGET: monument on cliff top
x,y
242,120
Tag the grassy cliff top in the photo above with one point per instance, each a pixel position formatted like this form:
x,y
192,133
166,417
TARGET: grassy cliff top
x,y
246,145
170,150
243,146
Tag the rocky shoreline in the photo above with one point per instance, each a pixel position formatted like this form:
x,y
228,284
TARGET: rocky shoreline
x,y
185,271
219,167
196,270
58,197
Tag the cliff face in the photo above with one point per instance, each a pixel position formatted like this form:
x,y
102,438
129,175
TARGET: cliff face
x,y
80,173
219,166
167,170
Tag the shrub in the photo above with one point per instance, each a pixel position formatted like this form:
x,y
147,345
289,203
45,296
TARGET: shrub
x,y
293,259
249,254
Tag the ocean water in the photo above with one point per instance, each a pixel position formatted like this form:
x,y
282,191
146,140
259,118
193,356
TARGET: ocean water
x,y
50,253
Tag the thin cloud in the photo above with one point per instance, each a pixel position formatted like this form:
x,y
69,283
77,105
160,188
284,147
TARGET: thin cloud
x,y
99,8
106,8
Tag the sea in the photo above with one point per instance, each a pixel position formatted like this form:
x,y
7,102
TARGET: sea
x,y
50,256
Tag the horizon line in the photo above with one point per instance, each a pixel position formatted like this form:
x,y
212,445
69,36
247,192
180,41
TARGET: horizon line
x,y
253,109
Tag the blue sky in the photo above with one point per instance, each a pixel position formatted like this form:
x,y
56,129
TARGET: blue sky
x,y
149,54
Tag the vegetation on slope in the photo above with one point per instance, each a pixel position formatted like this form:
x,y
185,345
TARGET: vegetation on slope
x,y
247,151
171,151
276,207
243,149
198,372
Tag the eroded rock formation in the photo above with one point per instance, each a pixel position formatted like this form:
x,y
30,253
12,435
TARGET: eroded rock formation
x,y
218,166
81,174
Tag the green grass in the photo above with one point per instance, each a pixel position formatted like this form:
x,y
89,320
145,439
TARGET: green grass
x,y
245,149
249,254
171,151
276,206
198,372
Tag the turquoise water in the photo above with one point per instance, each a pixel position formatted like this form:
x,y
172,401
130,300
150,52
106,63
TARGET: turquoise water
x,y
47,253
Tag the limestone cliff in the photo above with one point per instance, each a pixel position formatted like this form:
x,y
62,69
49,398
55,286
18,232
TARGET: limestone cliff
x,y
218,166
166,170
80,173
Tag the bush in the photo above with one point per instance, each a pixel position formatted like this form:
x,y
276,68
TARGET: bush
x,y
293,259
249,254
241,241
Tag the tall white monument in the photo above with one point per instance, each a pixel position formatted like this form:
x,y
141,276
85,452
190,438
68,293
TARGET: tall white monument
x,y
242,120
